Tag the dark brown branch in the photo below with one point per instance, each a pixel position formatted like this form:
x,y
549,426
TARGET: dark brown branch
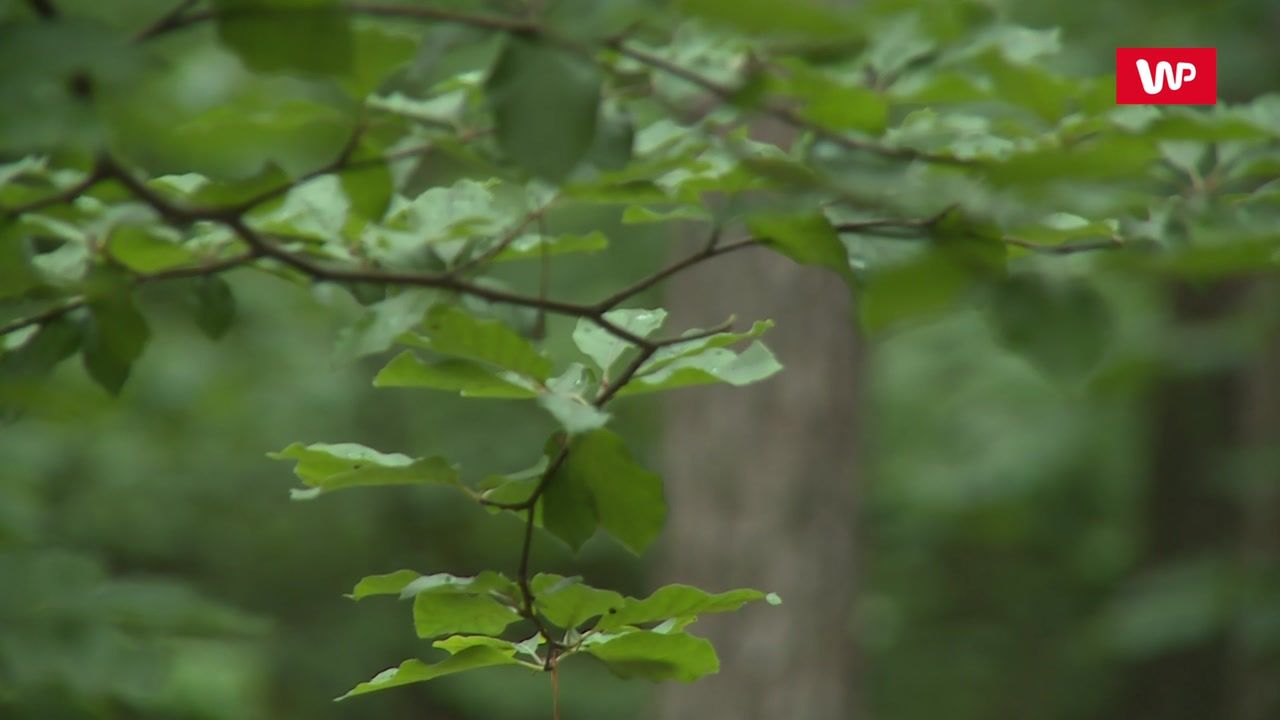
x,y
231,218
41,318
526,550
609,389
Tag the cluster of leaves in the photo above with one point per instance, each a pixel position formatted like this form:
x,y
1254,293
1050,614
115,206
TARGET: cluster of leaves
x,y
412,153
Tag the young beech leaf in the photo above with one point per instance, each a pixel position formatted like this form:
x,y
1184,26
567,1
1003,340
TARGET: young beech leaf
x,y
470,657
603,348
568,603
324,468
388,584
654,656
807,238
678,601
451,331
442,613
467,378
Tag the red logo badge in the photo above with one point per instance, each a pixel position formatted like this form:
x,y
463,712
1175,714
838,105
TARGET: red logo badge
x,y
1166,76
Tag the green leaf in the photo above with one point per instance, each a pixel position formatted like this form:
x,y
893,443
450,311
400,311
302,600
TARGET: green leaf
x,y
143,250
918,289
310,36
388,584
655,656
383,323
678,601
379,50
1061,326
52,343
16,273
442,613
486,582
458,643
215,306
529,247
567,508
713,365
451,331
1102,158
41,108
464,377
626,499
808,238
834,104
603,347
327,467
636,214
415,671
268,122
568,603
566,399
1058,228
689,348
115,335
317,209
545,102
367,181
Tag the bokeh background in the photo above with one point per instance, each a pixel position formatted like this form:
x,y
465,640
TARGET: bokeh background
x,y
978,542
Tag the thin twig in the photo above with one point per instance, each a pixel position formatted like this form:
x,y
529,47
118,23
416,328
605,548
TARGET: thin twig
x,y
79,301
513,234
640,286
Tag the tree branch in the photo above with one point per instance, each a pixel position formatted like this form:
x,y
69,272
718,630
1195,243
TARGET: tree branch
x,y
95,176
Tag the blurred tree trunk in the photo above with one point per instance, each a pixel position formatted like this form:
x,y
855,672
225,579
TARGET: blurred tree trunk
x,y
1201,422
1257,674
761,484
